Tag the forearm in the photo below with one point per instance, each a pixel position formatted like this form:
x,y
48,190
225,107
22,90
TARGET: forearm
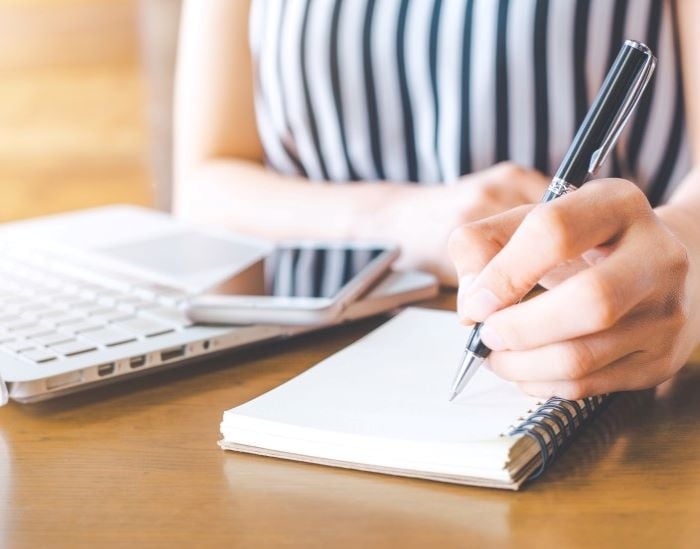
x,y
245,197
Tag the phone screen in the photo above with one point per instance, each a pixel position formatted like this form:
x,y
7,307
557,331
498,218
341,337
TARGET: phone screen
x,y
302,271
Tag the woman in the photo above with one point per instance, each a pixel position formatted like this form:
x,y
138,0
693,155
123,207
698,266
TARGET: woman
x,y
453,113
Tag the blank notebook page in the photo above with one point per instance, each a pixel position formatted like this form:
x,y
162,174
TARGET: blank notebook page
x,y
386,396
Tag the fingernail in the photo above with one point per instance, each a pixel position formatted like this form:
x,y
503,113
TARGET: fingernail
x,y
593,257
491,339
479,305
465,283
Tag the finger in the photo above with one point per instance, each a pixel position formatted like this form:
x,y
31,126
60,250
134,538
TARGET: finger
x,y
591,301
549,235
574,359
631,373
473,245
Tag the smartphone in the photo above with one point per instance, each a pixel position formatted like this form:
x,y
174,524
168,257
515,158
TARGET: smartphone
x,y
297,283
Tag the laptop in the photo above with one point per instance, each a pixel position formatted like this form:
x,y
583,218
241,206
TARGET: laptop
x,y
93,297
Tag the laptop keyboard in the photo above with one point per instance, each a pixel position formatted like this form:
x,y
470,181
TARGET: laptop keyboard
x,y
52,307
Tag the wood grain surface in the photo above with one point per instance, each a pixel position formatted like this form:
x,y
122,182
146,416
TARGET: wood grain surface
x,y
137,463
72,127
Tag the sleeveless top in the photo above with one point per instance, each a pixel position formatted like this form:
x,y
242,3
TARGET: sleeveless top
x,y
427,90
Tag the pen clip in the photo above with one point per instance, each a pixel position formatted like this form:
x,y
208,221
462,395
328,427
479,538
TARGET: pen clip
x,y
631,100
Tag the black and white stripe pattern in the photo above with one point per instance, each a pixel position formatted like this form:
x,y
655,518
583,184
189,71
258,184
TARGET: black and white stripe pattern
x,y
428,90
305,271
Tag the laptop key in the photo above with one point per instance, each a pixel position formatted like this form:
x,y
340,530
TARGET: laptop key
x,y
109,337
15,303
74,347
161,291
170,315
18,345
82,326
44,312
132,303
108,300
100,310
105,292
31,307
66,301
39,355
52,338
33,331
18,324
111,316
7,318
66,319
88,293
88,308
143,326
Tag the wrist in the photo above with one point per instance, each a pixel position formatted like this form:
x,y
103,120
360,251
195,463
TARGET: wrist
x,y
685,226
389,212
357,210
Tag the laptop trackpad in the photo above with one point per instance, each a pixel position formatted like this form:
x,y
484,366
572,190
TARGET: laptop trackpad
x,y
186,257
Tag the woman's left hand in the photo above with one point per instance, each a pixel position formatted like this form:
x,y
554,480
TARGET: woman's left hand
x,y
619,320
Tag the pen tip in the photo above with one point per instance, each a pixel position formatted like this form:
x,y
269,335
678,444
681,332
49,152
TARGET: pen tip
x,y
453,396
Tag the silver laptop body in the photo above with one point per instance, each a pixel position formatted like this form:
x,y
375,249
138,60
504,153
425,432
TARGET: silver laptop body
x,y
92,297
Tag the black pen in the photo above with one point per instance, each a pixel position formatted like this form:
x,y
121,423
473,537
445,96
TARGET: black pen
x,y
618,96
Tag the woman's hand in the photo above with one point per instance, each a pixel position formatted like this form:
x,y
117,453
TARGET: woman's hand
x,y
620,321
421,218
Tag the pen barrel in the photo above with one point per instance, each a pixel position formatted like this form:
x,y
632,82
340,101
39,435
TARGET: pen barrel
x,y
557,188
621,77
475,345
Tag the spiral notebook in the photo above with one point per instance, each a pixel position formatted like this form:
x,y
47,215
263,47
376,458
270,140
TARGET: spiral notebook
x,y
381,405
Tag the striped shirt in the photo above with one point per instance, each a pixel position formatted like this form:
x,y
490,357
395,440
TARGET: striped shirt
x,y
428,90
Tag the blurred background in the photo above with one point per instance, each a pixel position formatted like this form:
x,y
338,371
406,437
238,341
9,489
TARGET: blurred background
x,y
85,103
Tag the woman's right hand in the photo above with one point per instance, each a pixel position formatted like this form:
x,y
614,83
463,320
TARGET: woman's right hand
x,y
422,218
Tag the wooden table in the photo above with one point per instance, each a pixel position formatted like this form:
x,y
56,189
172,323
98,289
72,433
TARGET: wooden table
x,y
137,463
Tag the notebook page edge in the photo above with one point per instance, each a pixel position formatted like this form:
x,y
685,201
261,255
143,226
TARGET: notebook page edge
x,y
513,482
352,448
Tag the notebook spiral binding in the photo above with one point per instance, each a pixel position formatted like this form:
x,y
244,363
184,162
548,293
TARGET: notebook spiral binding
x,y
556,422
